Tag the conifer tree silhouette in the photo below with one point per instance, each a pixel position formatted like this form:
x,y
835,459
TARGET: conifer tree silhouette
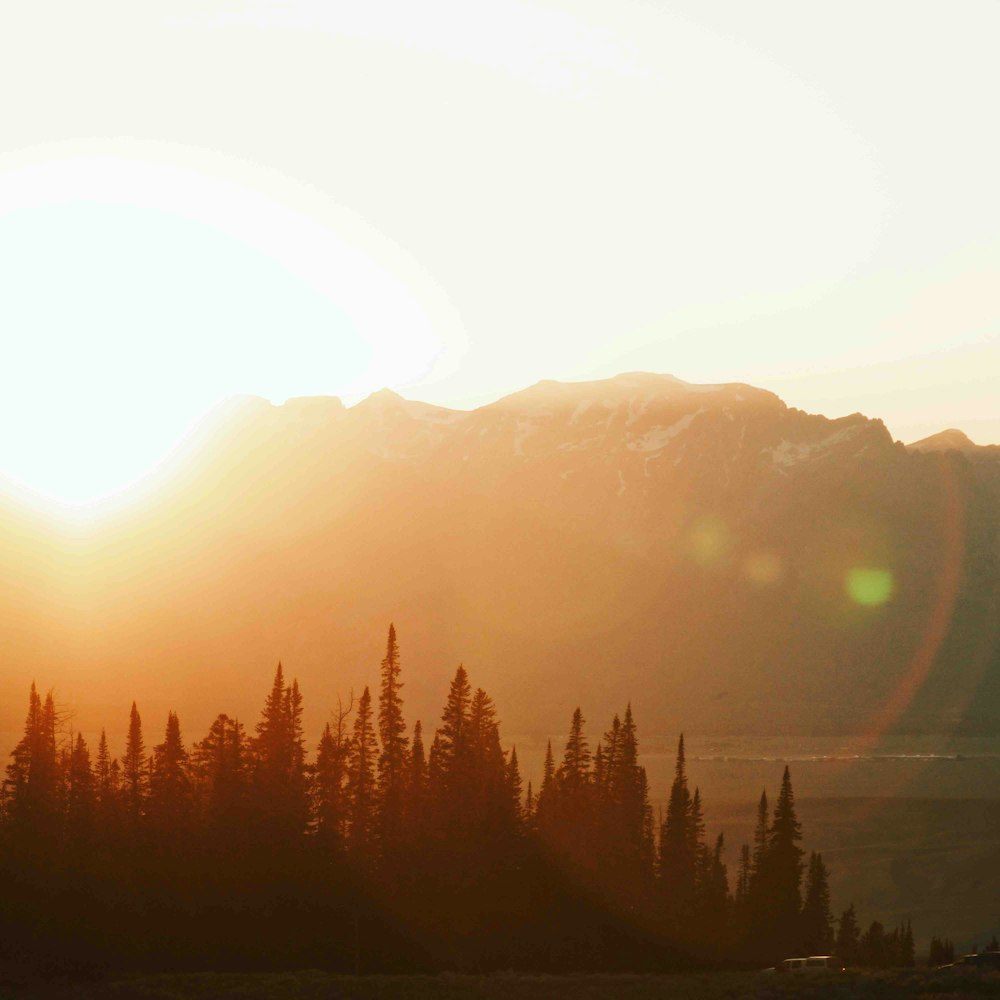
x,y
170,796
182,857
417,785
361,783
817,922
219,767
80,795
135,770
393,759
331,793
848,939
677,858
781,871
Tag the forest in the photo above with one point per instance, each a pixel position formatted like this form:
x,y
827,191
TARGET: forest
x,y
384,854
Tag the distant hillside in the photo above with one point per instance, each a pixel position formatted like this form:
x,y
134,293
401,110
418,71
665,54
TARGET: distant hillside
x,y
727,562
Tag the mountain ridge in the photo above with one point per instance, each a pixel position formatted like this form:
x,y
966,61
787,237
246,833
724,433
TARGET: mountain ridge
x,y
693,543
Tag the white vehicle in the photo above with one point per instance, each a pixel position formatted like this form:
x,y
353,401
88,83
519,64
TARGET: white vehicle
x,y
814,963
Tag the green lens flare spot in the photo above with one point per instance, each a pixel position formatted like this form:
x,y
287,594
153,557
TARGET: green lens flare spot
x,y
870,587
708,542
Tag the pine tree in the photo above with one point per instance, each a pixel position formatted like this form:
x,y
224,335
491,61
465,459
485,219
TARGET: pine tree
x,y
80,795
102,771
908,956
392,762
451,762
678,857
33,778
298,785
219,768
452,735
816,921
760,836
514,786
417,786
170,798
278,755
135,770
848,937
361,783
872,947
575,768
711,915
781,872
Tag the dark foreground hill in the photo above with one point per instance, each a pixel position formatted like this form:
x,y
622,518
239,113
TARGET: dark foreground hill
x,y
313,985
729,563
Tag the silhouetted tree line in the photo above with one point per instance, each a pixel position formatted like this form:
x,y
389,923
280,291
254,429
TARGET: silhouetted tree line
x,y
384,854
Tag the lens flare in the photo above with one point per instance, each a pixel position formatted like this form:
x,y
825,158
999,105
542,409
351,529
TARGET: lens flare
x,y
708,542
870,586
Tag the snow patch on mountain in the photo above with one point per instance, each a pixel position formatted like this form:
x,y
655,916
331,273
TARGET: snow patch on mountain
x,y
523,430
789,453
657,438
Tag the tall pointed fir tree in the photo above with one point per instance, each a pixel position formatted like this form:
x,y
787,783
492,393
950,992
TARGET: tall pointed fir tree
x,y
393,759
417,786
816,921
848,941
755,927
677,861
170,795
545,803
782,871
80,797
631,821
219,768
487,770
515,788
33,781
361,785
331,792
135,771
280,789
451,773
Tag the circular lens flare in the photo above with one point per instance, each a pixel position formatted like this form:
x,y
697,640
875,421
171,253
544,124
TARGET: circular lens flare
x,y
870,586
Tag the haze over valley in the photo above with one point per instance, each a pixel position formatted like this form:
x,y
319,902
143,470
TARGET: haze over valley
x,y
737,566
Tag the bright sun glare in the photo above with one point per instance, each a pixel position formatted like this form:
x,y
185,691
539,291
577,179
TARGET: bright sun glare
x,y
138,293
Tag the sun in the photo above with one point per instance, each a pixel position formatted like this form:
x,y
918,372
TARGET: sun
x,y
145,283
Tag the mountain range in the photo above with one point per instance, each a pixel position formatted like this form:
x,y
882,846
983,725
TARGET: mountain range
x,y
729,564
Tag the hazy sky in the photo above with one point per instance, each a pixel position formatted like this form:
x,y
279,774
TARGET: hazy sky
x,y
457,199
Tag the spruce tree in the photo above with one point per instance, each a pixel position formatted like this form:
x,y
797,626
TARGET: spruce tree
x,y
392,762
298,785
331,793
817,921
102,771
848,940
417,785
80,795
574,771
135,770
219,767
33,789
170,796
782,870
361,783
677,860
546,805
514,785
451,773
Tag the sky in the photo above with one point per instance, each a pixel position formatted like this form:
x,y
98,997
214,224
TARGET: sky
x,y
459,198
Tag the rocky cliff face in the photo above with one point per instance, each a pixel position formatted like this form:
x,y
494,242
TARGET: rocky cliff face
x,y
730,564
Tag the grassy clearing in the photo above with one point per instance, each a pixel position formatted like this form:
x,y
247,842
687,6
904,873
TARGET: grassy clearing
x,y
315,985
